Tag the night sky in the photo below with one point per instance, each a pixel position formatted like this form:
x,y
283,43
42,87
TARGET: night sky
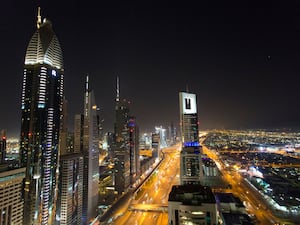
x,y
242,61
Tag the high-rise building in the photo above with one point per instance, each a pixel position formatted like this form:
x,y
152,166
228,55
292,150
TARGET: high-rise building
x,y
78,133
2,146
155,140
191,171
88,126
121,149
172,134
134,150
42,95
11,202
64,129
162,136
188,117
69,202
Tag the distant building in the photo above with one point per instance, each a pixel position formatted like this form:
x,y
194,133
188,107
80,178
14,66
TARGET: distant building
x,y
146,141
64,129
126,146
122,150
108,143
192,204
134,150
155,144
188,117
2,146
90,151
162,136
42,95
191,171
78,133
69,200
69,203
11,202
86,142
172,134
232,210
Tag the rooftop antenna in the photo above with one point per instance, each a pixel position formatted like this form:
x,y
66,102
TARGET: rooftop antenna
x,y
118,90
39,18
187,88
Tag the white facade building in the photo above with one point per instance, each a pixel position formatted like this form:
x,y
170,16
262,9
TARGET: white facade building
x,y
192,204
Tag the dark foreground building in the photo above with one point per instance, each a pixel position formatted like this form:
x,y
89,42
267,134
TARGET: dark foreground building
x,y
192,204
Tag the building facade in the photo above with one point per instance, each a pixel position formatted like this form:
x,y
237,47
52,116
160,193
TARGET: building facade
x,y
90,151
134,150
191,171
69,203
192,204
122,150
121,144
11,202
42,95
188,117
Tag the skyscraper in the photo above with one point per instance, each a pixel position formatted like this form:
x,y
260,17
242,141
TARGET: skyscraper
x,y
90,151
191,171
188,117
121,149
69,200
134,150
42,95
69,203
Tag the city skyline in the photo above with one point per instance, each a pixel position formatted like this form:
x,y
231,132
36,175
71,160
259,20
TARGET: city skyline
x,y
242,61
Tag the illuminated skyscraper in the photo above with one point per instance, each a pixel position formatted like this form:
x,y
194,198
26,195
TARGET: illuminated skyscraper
x,y
42,95
90,151
121,149
188,117
134,150
69,203
69,200
191,171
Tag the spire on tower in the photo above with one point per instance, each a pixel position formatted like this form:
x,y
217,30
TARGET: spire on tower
x,y
39,18
87,83
86,98
118,90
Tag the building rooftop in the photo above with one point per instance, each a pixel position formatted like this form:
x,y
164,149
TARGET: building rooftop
x,y
237,218
191,194
44,47
11,174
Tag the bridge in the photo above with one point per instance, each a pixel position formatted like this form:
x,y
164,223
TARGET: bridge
x,y
149,207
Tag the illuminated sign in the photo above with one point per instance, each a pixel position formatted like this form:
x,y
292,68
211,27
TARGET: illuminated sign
x,y
54,73
188,103
192,144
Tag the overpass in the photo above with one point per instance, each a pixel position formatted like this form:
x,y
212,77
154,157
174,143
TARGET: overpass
x,y
149,207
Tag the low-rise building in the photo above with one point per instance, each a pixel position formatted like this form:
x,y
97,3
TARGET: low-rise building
x,y
193,204
11,202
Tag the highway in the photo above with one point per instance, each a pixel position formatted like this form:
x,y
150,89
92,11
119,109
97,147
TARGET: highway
x,y
149,205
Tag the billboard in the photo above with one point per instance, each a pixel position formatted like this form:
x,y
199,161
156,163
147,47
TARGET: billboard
x,y
188,104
